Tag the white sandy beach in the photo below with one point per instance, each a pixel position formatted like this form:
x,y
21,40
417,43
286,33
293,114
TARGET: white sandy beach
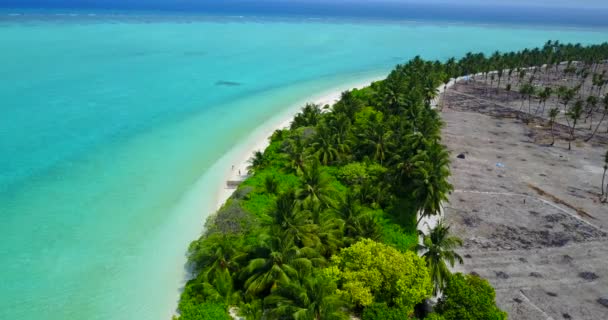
x,y
258,140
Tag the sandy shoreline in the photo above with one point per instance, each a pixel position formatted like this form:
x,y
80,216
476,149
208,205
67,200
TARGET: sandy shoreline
x,y
234,163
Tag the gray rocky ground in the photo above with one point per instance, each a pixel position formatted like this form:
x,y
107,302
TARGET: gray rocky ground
x,y
530,214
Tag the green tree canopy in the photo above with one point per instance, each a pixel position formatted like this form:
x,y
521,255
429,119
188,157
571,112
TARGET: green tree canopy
x,y
469,298
370,271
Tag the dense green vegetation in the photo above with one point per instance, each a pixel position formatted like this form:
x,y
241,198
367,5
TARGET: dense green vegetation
x,y
326,225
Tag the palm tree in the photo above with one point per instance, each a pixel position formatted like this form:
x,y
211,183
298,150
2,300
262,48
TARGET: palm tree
x,y
430,91
313,298
256,162
591,104
357,223
438,247
296,153
271,184
315,188
295,223
542,99
575,114
430,179
553,113
376,139
277,261
308,117
500,73
324,144
605,103
214,256
566,95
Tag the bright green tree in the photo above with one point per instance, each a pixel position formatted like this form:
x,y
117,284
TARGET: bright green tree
x,y
370,271
469,298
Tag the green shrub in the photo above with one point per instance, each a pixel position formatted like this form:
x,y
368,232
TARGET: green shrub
x,y
204,311
434,316
374,272
469,298
381,311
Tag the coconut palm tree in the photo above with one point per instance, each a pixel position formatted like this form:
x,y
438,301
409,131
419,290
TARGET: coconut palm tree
x,y
313,298
277,261
256,162
605,103
590,106
215,255
323,143
430,179
357,223
376,139
315,188
553,113
309,116
575,114
296,153
438,247
566,95
294,222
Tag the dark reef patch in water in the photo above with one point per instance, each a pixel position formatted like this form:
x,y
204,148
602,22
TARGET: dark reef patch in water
x,y
228,83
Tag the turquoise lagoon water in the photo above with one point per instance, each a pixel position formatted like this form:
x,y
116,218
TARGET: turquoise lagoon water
x,y
111,129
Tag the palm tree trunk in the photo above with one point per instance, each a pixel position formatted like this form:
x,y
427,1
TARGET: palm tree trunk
x,y
571,135
552,135
598,126
603,177
422,215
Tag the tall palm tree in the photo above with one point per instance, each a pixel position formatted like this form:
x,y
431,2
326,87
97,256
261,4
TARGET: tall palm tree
x,y
376,139
323,143
215,255
308,117
575,114
438,247
295,223
296,153
553,113
315,187
590,106
566,95
430,179
357,223
313,298
605,103
256,162
277,261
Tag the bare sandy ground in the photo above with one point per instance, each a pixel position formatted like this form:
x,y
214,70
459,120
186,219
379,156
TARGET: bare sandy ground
x,y
529,214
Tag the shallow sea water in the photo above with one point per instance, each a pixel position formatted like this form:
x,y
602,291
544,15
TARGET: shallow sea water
x,y
110,128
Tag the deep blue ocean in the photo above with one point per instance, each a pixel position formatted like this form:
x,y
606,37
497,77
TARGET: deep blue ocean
x,y
113,123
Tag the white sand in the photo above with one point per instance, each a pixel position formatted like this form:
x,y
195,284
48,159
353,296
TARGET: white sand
x,y
258,140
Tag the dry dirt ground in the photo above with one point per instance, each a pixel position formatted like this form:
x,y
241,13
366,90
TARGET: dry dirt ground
x,y
529,213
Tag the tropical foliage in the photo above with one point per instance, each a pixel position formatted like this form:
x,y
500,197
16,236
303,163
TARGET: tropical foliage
x,y
325,225
469,298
